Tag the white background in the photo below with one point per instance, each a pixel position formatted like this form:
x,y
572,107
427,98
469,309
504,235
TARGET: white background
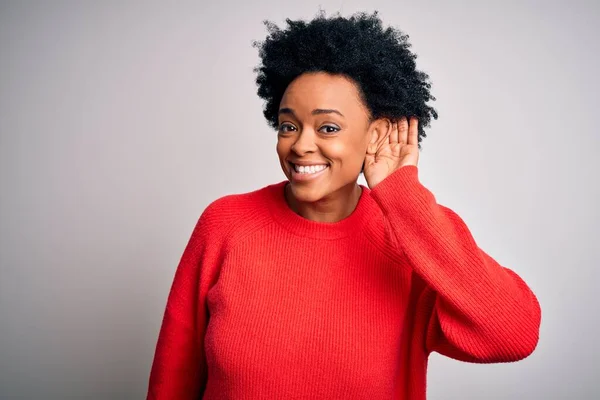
x,y
120,122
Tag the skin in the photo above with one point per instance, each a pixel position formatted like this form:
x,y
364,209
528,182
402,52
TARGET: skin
x,y
343,141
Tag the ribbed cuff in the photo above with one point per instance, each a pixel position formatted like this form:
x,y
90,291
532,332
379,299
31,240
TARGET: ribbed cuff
x,y
402,192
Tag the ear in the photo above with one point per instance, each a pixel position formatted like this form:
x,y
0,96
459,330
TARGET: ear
x,y
378,132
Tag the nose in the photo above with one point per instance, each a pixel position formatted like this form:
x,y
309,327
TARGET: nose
x,y
305,142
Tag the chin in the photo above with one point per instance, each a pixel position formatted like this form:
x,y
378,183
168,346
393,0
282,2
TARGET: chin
x,y
308,193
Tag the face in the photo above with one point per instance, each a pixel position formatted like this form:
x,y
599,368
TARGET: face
x,y
323,135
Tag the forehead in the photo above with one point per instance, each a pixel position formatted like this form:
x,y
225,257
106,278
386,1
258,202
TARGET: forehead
x,y
322,90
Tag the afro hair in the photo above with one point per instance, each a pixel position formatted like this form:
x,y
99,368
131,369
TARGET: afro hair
x,y
377,59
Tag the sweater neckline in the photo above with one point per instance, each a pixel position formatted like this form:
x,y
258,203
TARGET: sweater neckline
x,y
284,215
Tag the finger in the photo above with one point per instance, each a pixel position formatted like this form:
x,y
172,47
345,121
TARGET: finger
x,y
403,130
413,131
394,132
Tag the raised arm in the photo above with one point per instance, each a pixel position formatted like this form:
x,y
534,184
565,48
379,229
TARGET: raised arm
x,y
479,311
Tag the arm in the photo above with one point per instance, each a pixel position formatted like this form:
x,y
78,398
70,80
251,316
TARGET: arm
x,y
478,310
179,369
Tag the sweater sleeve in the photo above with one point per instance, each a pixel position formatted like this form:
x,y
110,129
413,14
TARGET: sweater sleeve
x,y
179,369
476,310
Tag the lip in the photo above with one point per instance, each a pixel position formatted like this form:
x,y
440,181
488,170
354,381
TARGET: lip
x,y
305,163
298,177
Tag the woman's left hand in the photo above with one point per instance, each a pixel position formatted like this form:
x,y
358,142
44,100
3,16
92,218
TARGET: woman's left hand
x,y
398,148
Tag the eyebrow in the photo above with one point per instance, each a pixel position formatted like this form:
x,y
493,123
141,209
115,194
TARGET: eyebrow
x,y
316,111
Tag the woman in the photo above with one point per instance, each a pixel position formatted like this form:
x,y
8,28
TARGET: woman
x,y
317,287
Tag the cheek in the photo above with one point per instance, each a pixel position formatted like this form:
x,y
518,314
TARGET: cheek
x,y
282,148
347,152
337,149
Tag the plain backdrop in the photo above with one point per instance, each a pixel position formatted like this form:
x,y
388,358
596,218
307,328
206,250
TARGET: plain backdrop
x,y
121,121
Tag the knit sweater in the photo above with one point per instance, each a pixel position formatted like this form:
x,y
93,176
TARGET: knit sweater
x,y
266,304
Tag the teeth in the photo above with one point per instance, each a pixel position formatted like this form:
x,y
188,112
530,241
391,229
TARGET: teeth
x,y
309,169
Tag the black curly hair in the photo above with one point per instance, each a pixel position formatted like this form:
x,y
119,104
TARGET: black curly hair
x,y
378,59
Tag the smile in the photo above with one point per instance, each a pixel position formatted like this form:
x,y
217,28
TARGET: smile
x,y
309,169
308,172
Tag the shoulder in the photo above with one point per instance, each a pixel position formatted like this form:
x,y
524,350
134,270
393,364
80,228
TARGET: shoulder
x,y
233,216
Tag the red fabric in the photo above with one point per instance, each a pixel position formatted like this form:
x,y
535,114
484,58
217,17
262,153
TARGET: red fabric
x,y
266,304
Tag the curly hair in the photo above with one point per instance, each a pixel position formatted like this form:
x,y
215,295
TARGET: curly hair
x,y
377,59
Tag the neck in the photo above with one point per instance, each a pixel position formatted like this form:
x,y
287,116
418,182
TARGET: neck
x,y
331,208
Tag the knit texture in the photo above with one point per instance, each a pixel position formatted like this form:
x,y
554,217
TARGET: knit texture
x,y
266,304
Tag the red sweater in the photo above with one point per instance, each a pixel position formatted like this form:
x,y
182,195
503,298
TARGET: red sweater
x,y
266,304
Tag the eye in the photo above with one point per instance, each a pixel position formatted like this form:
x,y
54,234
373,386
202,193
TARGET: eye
x,y
282,127
330,128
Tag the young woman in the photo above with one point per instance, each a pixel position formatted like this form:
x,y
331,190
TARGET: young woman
x,y
317,287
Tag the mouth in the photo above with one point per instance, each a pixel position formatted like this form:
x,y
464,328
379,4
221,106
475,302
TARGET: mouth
x,y
307,173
